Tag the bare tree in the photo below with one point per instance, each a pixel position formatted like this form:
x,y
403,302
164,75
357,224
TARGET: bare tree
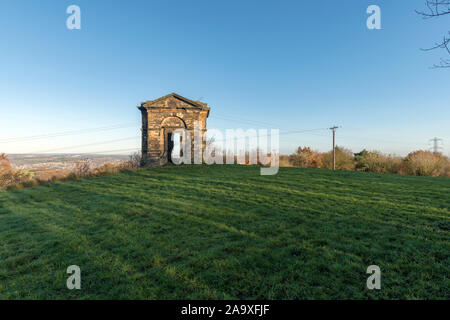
x,y
438,8
135,160
83,167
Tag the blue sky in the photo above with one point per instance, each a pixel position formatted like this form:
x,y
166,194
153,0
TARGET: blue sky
x,y
292,65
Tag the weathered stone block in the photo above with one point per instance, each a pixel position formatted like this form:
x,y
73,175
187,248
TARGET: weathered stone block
x,y
161,117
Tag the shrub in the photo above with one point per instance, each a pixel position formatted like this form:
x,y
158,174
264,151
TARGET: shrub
x,y
135,160
10,177
377,162
82,167
285,161
107,169
393,164
425,163
344,159
361,161
29,183
5,165
14,177
306,158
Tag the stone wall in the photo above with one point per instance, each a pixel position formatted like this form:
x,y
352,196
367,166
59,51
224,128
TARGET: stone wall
x,y
163,116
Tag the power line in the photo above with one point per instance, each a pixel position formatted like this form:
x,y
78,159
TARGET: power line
x,y
68,133
109,151
111,141
239,119
374,139
257,122
88,145
106,151
254,122
135,137
283,133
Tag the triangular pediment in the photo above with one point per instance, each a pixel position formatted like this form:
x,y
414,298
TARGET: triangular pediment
x,y
174,100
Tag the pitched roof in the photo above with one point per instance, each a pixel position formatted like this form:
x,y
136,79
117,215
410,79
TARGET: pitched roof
x,y
193,103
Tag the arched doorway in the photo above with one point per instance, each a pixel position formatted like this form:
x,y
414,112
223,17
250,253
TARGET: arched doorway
x,y
168,126
162,116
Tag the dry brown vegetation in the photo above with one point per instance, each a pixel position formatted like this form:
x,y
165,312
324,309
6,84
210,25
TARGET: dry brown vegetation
x,y
375,161
417,163
18,179
425,163
8,176
5,165
344,159
48,174
306,158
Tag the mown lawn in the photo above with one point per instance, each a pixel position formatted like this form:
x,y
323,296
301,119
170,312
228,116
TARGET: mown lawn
x,y
214,232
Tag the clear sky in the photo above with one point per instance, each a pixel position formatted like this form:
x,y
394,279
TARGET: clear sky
x,y
292,65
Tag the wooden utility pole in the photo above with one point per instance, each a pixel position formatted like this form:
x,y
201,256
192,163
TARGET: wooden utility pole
x,y
334,145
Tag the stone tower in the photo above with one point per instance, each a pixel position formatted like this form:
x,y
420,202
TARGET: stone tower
x,y
161,117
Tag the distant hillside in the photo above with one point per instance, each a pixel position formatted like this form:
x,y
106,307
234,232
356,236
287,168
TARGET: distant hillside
x,y
60,161
210,232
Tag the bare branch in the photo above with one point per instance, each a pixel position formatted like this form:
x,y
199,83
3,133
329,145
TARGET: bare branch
x,y
443,64
438,8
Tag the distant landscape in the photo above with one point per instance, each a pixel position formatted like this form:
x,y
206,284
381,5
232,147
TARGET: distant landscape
x,y
25,170
47,166
65,162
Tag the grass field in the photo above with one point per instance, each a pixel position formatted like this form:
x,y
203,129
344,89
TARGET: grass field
x,y
214,232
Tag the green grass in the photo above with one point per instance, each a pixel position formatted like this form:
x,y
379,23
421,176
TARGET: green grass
x,y
219,232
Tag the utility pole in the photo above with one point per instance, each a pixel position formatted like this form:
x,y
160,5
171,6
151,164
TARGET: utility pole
x,y
436,146
334,145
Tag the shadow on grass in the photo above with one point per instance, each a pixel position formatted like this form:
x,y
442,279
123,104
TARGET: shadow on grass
x,y
178,233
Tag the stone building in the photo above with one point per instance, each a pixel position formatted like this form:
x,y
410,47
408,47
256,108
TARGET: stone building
x,y
161,117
